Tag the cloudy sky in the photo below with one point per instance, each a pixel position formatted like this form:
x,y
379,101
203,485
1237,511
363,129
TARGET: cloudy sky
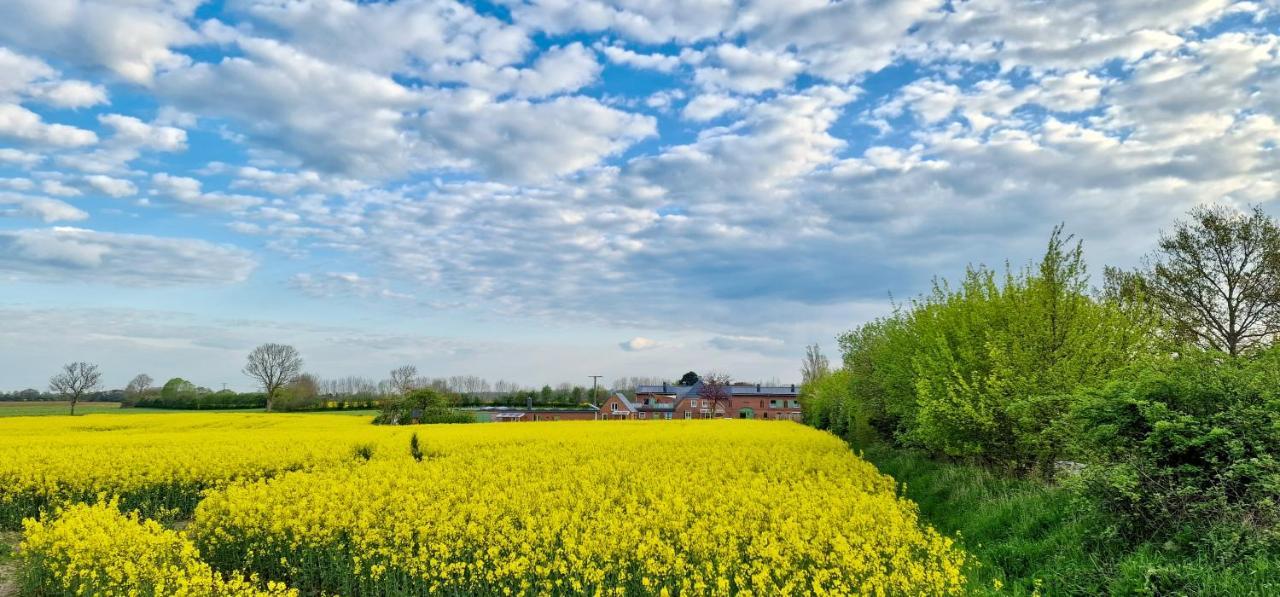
x,y
548,189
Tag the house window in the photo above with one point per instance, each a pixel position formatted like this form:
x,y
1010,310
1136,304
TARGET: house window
x,y
688,414
693,403
773,404
642,415
613,407
668,416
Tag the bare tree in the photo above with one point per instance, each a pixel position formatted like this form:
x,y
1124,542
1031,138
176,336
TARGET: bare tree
x,y
273,365
138,386
1216,278
404,379
715,390
815,364
74,381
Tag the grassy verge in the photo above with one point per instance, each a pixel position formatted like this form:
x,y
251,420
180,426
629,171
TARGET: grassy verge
x,y
1029,538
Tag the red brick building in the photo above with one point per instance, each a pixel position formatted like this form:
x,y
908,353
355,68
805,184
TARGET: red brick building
x,y
667,402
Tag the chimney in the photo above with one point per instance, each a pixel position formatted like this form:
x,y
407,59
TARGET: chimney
x,y
528,402
793,387
757,388
664,387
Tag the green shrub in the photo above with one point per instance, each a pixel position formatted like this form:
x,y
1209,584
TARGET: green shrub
x,y
986,370
1186,452
422,406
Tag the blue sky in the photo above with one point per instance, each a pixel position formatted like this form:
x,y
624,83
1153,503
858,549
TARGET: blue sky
x,y
539,191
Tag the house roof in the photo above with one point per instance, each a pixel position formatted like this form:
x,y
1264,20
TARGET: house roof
x,y
692,391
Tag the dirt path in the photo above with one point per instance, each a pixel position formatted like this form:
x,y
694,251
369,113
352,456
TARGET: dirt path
x,y
8,565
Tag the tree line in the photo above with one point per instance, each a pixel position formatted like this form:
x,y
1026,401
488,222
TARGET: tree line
x,y
1154,396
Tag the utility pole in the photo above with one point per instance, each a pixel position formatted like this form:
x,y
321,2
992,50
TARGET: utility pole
x,y
594,381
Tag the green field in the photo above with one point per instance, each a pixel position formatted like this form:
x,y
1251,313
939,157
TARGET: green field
x,y
36,409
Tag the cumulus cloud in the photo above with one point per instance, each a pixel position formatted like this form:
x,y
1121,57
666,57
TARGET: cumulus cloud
x,y
639,343
133,39
23,125
65,255
43,208
115,187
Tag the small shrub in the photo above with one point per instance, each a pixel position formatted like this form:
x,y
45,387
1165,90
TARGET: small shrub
x,y
363,451
415,450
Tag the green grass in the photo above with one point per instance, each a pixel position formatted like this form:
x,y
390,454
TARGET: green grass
x,y
38,409
1031,536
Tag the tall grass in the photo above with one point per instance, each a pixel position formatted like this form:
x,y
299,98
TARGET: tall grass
x,y
1029,538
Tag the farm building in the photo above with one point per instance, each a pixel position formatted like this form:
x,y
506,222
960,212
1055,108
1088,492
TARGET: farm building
x,y
668,401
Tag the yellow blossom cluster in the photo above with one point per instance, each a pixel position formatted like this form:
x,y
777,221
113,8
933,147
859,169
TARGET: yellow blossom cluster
x,y
96,550
160,464
618,508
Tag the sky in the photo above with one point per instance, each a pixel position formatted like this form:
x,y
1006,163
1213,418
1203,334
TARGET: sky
x,y
543,190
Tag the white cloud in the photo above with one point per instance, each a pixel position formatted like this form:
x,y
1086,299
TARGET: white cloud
x,y
189,191
709,106
745,70
132,132
339,284
65,255
43,208
659,62
527,141
57,187
21,158
24,125
639,343
133,39
115,187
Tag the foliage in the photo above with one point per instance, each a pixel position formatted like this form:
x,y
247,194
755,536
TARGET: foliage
x,y
1027,538
689,378
544,509
986,370
1185,451
96,550
221,400
1217,279
422,406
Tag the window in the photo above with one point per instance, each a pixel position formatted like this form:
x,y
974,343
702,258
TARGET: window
x,y
613,406
693,403
668,416
688,415
762,404
773,404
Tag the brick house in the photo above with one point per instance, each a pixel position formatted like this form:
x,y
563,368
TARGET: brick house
x,y
667,401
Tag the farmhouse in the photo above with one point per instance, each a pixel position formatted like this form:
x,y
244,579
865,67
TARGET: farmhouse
x,y
667,401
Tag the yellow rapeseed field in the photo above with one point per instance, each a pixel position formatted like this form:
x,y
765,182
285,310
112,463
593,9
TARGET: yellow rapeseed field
x,y
335,505
159,464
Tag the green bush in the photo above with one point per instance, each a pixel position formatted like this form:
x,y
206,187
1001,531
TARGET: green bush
x,y
986,370
1186,452
422,406
224,400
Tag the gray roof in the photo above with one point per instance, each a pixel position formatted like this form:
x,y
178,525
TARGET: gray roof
x,y
751,390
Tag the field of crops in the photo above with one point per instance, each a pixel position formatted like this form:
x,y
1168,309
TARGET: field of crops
x,y
276,503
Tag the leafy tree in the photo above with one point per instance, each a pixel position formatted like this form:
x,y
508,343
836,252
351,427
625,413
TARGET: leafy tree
x,y
1216,278
74,381
178,389
273,365
688,379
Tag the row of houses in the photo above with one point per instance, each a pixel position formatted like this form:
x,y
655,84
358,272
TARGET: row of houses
x,y
668,402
